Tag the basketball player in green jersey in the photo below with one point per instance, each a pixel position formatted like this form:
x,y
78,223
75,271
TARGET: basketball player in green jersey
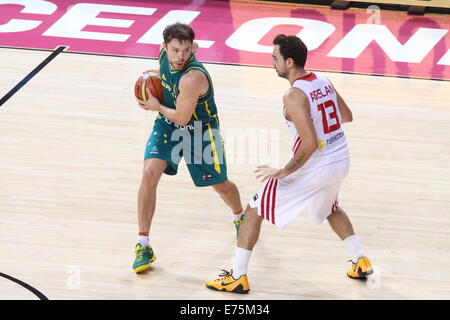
x,y
188,110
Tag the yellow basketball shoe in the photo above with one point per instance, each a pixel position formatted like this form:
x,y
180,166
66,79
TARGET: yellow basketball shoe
x,y
227,283
361,269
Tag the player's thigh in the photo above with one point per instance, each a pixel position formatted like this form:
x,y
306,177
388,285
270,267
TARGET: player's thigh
x,y
205,175
160,146
207,165
325,198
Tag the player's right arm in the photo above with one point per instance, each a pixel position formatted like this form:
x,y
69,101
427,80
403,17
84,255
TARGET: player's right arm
x,y
346,113
297,108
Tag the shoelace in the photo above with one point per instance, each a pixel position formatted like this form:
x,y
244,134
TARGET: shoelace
x,y
225,274
354,265
140,252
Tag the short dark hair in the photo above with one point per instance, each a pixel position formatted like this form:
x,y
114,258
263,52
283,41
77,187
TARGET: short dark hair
x,y
179,31
292,47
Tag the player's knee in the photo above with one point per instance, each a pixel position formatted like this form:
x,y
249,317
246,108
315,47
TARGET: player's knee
x,y
251,212
149,177
223,187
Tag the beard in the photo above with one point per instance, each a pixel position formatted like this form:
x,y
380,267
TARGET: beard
x,y
175,66
282,74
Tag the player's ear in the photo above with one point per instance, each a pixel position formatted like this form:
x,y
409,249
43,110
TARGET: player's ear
x,y
194,47
290,63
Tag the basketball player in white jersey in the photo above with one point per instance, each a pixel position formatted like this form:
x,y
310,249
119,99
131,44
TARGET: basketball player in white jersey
x,y
314,113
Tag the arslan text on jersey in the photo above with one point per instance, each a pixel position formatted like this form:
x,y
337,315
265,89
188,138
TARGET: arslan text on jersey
x,y
335,138
321,93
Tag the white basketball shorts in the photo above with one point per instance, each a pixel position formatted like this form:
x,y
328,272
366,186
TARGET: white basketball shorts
x,y
316,189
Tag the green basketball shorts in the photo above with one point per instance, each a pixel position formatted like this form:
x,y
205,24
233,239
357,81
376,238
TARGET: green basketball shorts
x,y
200,144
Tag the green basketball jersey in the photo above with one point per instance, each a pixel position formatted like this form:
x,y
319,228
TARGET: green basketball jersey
x,y
206,109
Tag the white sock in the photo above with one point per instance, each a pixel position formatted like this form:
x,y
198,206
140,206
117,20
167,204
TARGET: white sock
x,y
241,260
143,240
354,247
237,216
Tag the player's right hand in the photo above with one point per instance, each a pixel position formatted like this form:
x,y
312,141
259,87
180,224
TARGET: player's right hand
x,y
266,172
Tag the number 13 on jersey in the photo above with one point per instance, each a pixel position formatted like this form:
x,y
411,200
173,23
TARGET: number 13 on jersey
x,y
328,109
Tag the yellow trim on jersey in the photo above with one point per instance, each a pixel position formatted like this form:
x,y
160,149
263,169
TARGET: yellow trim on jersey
x,y
210,115
209,112
207,109
195,115
214,150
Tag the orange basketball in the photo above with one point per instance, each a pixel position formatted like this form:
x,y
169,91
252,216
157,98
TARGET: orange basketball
x,y
152,81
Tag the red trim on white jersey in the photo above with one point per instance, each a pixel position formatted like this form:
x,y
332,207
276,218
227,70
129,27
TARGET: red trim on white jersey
x,y
267,204
309,77
263,204
297,144
335,206
273,200
268,200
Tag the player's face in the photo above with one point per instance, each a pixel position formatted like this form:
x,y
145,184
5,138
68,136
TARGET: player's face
x,y
178,53
279,63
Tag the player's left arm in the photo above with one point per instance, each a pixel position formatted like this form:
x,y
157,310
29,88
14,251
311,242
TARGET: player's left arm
x,y
297,108
192,85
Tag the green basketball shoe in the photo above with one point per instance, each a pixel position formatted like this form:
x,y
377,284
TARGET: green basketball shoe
x,y
144,258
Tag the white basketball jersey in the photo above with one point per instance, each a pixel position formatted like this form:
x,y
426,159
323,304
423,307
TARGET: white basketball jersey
x,y
326,118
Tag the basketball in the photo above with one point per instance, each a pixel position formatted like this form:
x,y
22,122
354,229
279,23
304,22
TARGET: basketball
x,y
152,81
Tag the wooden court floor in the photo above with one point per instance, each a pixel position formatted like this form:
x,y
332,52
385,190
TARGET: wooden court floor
x,y
71,147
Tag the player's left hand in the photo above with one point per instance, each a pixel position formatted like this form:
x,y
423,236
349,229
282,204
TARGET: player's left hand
x,y
151,104
267,173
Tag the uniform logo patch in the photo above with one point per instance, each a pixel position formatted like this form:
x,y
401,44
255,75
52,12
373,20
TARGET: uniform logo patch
x,y
207,177
154,150
321,144
255,197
